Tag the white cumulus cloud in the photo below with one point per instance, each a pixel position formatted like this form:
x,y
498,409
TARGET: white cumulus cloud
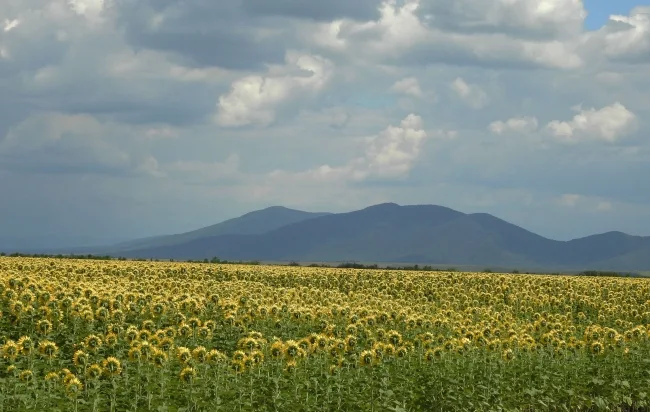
x,y
573,200
608,124
253,100
524,124
628,37
471,94
11,24
393,152
533,18
390,154
408,86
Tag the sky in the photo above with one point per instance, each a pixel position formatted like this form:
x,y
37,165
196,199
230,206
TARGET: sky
x,y
128,118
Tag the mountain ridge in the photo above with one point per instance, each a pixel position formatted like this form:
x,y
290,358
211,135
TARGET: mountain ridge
x,y
428,234
255,222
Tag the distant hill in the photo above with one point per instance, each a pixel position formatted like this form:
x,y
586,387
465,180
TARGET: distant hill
x,y
253,223
426,234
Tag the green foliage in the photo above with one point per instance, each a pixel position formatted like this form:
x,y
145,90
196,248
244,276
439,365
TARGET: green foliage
x,y
346,339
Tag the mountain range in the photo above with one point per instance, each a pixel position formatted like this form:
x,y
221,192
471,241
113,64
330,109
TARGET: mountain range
x,y
390,233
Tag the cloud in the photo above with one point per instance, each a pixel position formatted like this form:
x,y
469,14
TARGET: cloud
x,y
391,154
403,36
35,34
572,200
408,86
569,199
624,38
91,9
320,11
470,94
604,206
334,117
608,124
204,33
254,99
206,172
526,124
77,144
524,18
11,24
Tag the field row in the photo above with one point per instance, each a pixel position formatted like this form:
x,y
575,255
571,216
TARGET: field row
x,y
89,335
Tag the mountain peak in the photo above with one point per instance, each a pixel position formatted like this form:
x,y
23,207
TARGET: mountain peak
x,y
275,208
387,205
270,209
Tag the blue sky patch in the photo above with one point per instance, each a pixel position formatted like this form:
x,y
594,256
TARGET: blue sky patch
x,y
600,10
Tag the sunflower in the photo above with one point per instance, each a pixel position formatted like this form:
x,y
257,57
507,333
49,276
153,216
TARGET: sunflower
x,y
394,337
144,334
112,366
158,358
215,356
134,354
367,358
430,355
73,387
10,350
204,332
94,371
80,358
131,334
183,354
44,326
93,342
257,357
110,339
52,378
146,349
184,330
291,349
238,355
200,354
596,348
277,349
48,349
25,345
321,342
237,366
26,376
290,366
66,375
148,325
166,344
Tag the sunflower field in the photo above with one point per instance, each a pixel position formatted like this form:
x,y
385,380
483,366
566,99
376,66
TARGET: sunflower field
x,y
157,336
